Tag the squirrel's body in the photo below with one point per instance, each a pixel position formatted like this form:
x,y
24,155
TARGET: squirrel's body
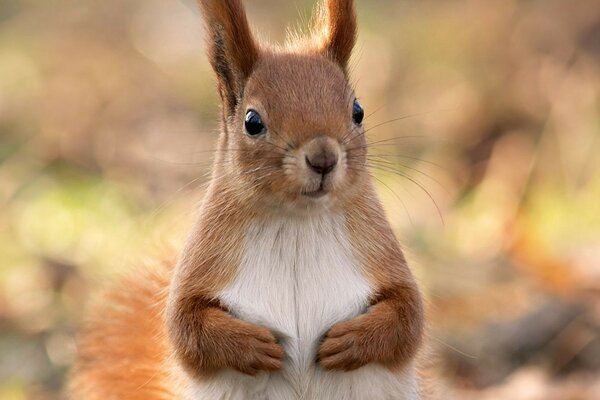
x,y
298,277
292,285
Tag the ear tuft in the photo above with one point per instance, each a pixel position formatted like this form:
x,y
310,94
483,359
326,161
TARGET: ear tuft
x,y
232,50
336,29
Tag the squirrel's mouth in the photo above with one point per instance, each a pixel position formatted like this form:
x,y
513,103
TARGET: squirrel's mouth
x,y
316,194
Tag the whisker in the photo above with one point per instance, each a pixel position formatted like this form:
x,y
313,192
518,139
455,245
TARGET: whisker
x,y
453,348
414,181
398,197
381,143
408,116
393,165
374,112
172,198
206,163
227,150
397,138
391,190
288,144
348,137
409,158
395,120
415,115
258,169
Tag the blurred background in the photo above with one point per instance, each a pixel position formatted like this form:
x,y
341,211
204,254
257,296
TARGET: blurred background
x,y
484,122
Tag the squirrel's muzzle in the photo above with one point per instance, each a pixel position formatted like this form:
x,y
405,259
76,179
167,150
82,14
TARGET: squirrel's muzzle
x,y
322,154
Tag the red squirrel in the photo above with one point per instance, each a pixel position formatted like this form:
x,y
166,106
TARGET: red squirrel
x,y
292,284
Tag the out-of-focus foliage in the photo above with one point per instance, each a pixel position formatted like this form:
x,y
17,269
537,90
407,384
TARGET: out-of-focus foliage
x,y
484,119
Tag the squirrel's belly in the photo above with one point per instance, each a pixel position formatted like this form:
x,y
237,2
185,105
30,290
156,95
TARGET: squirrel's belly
x,y
299,278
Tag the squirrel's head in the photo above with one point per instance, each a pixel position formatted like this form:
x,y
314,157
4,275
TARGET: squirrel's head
x,y
292,132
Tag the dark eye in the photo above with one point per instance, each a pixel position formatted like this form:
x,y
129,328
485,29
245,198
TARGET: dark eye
x,y
358,114
253,123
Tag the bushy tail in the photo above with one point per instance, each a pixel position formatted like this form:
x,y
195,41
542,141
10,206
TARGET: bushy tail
x,y
123,349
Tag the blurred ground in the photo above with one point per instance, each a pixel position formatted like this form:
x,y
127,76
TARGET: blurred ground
x,y
487,110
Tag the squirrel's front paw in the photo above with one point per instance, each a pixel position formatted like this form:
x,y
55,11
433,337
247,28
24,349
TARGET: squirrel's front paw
x,y
257,351
352,344
344,347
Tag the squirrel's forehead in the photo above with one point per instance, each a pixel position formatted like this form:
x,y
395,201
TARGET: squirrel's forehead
x,y
298,78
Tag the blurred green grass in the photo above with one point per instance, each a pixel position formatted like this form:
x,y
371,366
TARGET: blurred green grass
x,y
108,115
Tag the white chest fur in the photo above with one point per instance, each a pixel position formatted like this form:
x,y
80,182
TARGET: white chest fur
x,y
298,277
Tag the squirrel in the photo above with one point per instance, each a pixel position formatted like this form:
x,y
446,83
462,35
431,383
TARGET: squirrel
x,y
292,284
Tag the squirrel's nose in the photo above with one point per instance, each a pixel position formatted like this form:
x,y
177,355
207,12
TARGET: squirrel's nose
x,y
322,163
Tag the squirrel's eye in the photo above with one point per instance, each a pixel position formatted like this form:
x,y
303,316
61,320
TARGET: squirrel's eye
x,y
358,114
253,123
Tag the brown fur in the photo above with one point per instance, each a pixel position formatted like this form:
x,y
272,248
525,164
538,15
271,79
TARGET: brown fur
x,y
305,100
335,29
197,323
207,339
232,50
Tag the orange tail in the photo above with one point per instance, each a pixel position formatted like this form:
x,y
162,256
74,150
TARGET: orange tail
x,y
123,349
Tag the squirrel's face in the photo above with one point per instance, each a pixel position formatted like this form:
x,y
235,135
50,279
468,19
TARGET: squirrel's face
x,y
293,135
296,139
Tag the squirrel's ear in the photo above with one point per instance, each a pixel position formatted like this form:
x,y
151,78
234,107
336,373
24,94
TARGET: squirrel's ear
x,y
232,50
336,29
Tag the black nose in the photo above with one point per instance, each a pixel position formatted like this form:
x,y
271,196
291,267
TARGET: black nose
x,y
322,163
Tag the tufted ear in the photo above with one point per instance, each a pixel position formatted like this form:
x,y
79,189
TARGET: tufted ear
x,y
336,29
232,50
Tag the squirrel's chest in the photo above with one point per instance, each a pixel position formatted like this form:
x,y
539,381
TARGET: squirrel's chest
x,y
298,277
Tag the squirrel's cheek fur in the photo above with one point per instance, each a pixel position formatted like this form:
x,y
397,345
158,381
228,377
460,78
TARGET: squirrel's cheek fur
x,y
291,284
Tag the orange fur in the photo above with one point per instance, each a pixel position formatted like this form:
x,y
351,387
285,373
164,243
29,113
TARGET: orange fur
x,y
152,334
123,351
